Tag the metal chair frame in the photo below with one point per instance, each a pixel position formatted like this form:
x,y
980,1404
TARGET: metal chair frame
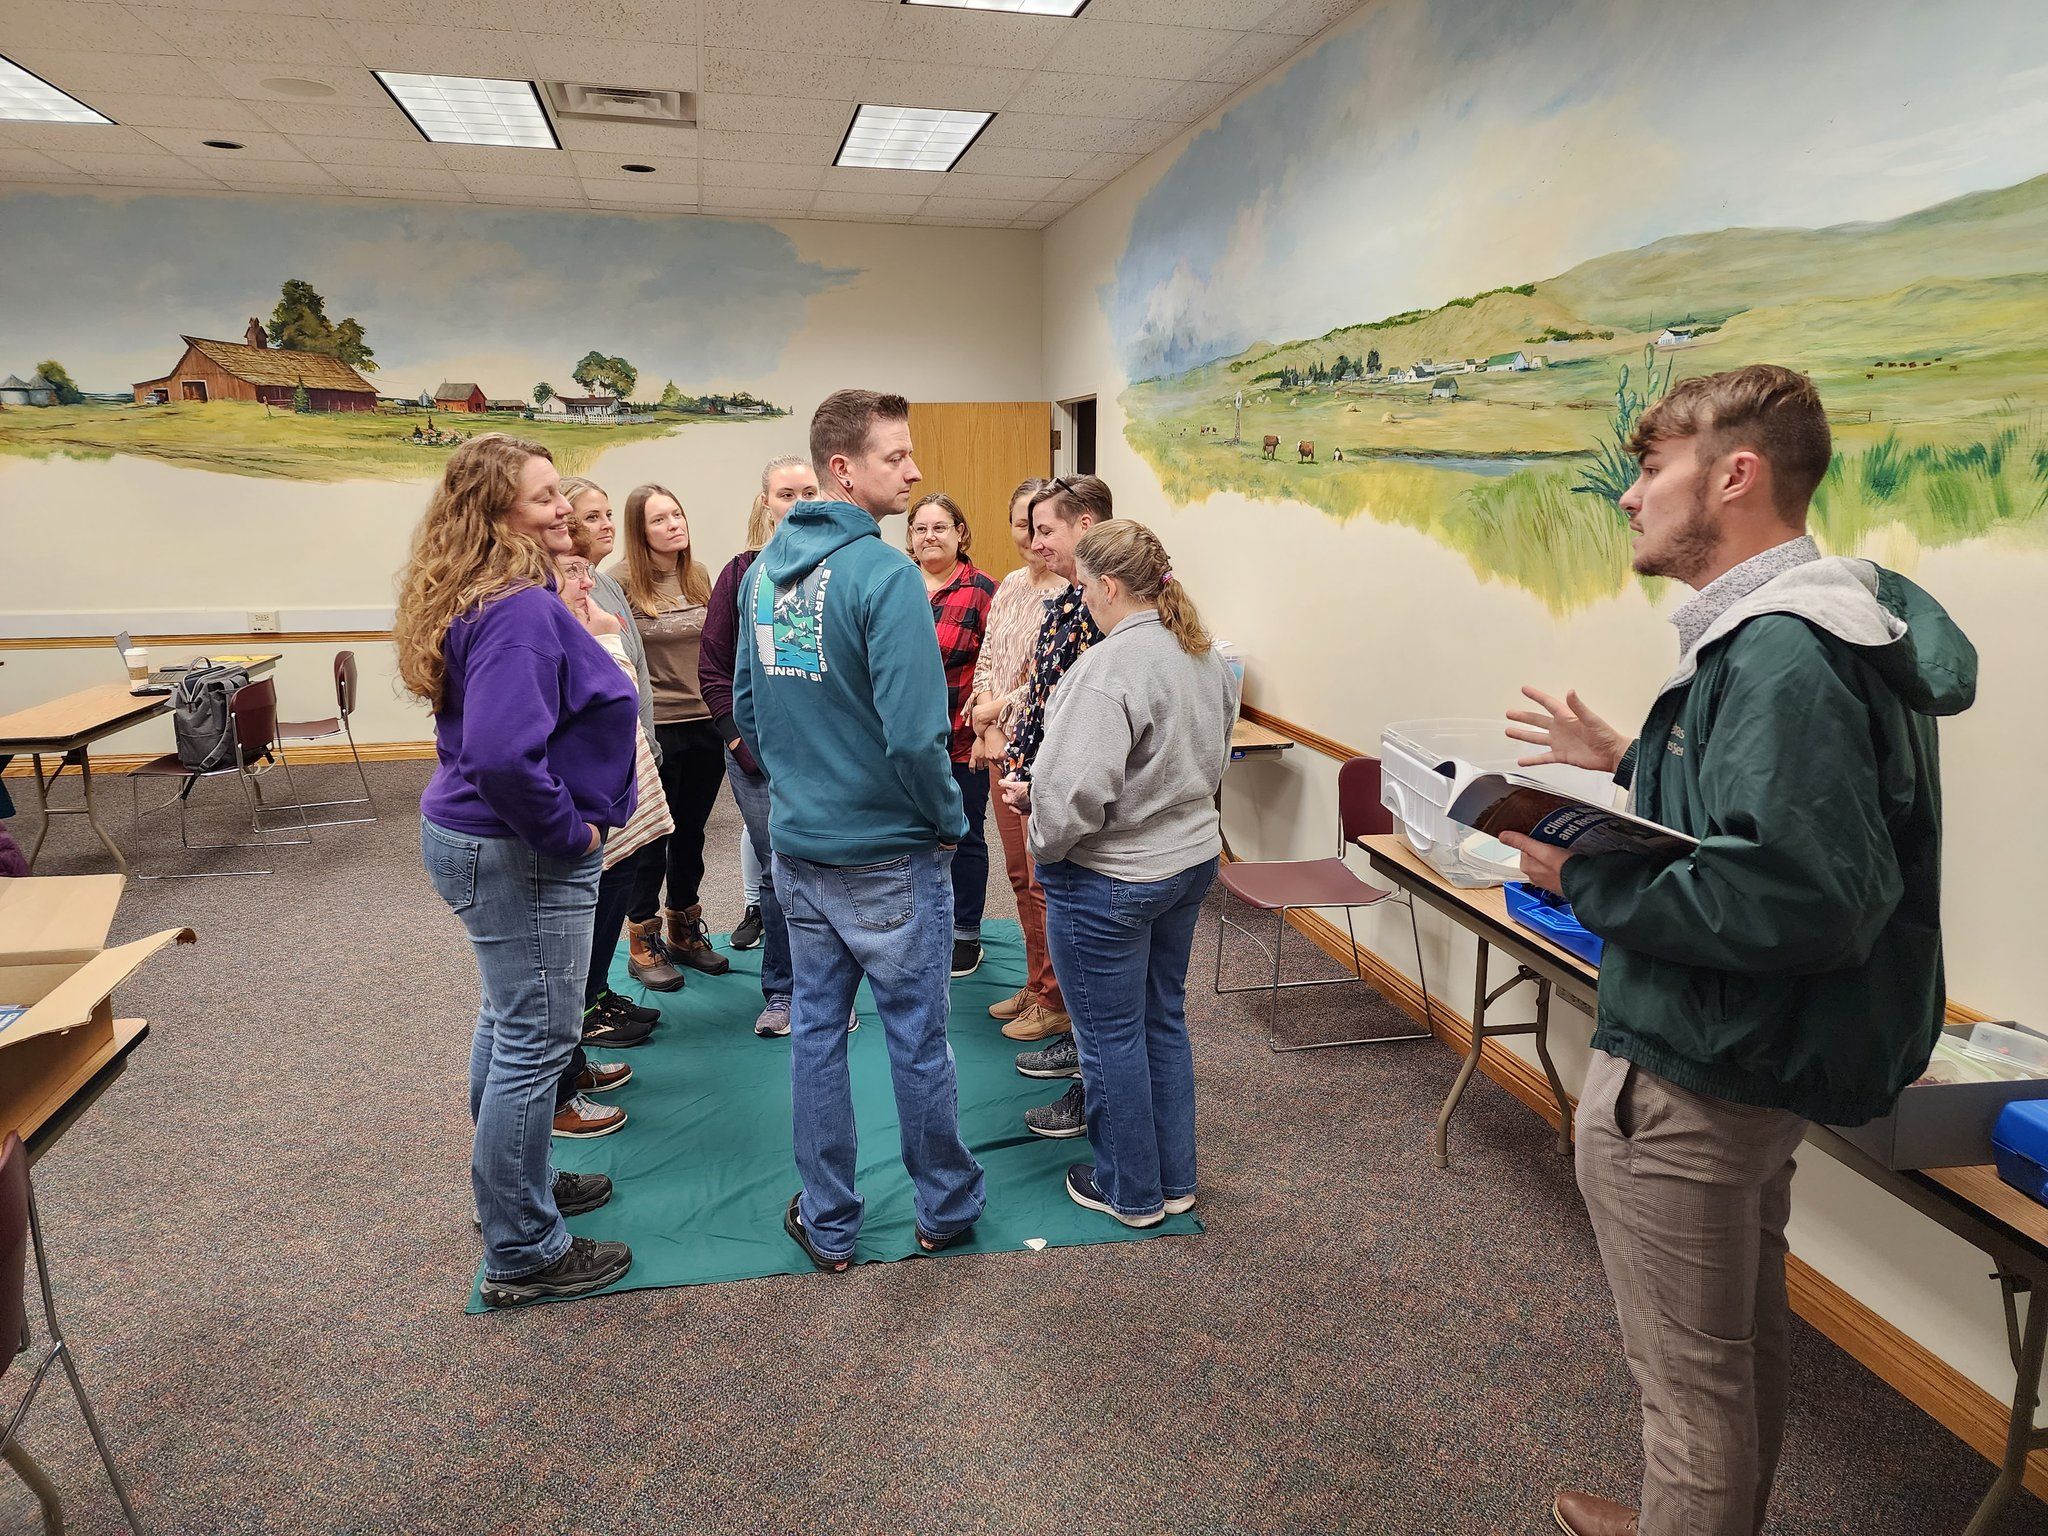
x,y
1276,986
57,1352
249,774
345,703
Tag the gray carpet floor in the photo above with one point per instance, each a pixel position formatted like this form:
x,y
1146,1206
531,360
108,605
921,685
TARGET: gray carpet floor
x,y
262,1247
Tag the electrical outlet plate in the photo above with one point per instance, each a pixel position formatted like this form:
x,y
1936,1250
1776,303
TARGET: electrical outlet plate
x,y
263,623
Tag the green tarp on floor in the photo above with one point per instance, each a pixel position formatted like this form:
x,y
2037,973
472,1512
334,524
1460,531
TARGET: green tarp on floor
x,y
703,1169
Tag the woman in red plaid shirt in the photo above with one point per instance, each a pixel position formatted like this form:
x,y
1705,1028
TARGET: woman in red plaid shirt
x,y
960,594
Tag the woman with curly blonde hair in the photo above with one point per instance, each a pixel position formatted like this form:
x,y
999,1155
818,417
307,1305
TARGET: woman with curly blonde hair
x,y
512,829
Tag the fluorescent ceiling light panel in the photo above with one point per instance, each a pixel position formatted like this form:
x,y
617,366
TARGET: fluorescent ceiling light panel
x,y
453,109
27,98
1015,7
910,138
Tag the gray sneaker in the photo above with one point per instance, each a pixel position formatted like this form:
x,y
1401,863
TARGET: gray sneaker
x,y
774,1020
1060,1059
1059,1119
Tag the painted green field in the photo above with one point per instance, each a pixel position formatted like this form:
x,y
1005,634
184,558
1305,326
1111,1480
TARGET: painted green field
x,y
240,438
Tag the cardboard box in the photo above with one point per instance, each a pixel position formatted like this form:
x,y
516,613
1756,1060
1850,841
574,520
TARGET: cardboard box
x,y
1941,1125
54,963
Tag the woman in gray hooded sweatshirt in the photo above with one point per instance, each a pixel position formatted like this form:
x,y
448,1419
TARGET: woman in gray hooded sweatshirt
x,y
1125,834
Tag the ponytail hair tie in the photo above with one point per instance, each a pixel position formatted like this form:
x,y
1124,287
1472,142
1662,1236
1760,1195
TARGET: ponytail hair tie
x,y
1166,578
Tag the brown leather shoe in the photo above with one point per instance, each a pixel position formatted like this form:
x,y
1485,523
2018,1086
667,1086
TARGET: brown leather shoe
x,y
647,959
1011,1006
1037,1022
1587,1514
688,944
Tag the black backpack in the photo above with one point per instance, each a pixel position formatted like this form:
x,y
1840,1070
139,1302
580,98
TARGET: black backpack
x,y
201,718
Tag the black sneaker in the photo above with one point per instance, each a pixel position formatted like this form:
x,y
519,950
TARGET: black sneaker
x,y
626,1008
1059,1119
576,1193
1060,1059
587,1266
748,934
966,957
612,1031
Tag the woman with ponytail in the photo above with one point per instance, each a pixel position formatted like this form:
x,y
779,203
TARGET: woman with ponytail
x,y
1125,832
534,731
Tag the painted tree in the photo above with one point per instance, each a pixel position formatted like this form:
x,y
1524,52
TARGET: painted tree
x,y
1372,361
543,392
299,323
68,393
671,397
605,375
301,401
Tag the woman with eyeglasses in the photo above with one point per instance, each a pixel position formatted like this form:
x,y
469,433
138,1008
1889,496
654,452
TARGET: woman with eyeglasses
x,y
1126,835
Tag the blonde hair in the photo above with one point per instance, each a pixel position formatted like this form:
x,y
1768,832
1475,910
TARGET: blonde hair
x,y
691,576
787,461
758,523
464,556
1132,554
575,485
941,499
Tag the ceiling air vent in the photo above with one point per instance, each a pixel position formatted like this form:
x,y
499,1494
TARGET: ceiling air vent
x,y
621,104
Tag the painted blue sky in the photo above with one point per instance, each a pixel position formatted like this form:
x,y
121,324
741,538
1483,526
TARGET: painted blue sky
x,y
1441,147
501,296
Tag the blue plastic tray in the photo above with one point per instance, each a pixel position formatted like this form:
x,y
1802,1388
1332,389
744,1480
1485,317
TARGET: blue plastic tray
x,y
2019,1146
1551,916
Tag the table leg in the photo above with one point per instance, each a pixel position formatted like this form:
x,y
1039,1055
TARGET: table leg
x,y
39,1484
1564,1103
84,756
2020,1436
1442,1143
42,804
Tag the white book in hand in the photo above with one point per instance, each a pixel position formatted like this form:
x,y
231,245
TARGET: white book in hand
x,y
1494,802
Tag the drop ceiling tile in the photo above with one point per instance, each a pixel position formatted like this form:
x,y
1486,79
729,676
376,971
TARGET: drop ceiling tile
x,y
967,184
411,194
161,183
640,195
503,184
14,161
492,15
957,221
780,148
994,210
753,200
1185,101
1255,54
249,7
963,87
859,178
1232,15
1137,51
1051,93
381,122
775,114
82,25
1074,189
637,210
669,170
755,173
1001,160
30,176
1031,130
1042,214
661,21
351,84
1305,18
522,199
640,139
82,138
190,142
614,61
931,35
872,204
84,74
123,162
430,50
396,179
235,169
1107,166
257,39
504,160
289,189
843,28
756,72
343,155
217,113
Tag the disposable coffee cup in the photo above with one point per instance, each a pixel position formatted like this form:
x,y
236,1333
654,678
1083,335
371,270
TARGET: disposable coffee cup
x,y
137,658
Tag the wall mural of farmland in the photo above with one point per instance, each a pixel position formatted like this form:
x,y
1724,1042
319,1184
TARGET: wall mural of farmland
x,y
1445,309
322,342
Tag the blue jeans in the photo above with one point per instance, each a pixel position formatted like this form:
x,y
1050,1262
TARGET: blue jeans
x,y
614,891
750,793
889,920
970,859
1120,949
529,920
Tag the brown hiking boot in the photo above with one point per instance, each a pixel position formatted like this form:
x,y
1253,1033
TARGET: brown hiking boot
x,y
1011,1006
689,945
647,960
1037,1022
1586,1514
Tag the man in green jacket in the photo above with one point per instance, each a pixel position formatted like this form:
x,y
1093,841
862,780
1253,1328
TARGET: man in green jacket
x,y
1789,968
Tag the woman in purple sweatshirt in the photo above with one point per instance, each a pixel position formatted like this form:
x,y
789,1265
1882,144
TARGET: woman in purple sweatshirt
x,y
533,727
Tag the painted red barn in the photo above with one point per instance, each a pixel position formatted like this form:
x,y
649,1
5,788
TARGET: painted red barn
x,y
252,369
460,396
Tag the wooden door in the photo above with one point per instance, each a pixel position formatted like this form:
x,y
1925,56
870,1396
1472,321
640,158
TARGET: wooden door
x,y
976,452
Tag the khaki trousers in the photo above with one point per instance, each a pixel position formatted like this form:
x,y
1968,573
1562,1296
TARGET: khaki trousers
x,y
1015,831
1689,1197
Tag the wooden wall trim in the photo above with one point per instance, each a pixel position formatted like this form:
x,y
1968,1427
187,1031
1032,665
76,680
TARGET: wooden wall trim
x,y
1328,746
1908,1367
242,639
107,764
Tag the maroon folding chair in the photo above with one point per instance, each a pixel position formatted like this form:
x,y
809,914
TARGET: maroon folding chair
x,y
1281,887
252,714
21,1233
336,724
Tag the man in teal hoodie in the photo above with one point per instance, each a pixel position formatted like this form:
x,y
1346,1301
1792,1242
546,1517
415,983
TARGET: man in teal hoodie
x,y
840,694
1786,970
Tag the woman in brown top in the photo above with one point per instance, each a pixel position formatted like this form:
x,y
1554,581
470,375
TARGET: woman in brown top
x,y
667,588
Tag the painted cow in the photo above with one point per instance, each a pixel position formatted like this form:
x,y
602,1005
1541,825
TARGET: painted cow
x,y
1307,449
1272,445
